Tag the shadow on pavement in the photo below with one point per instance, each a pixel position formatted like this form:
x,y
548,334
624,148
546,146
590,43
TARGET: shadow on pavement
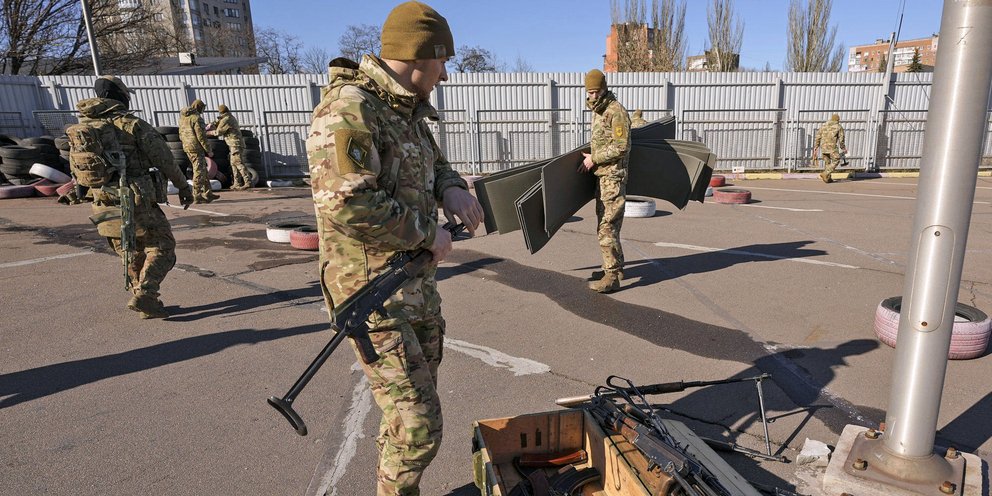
x,y
31,384
247,303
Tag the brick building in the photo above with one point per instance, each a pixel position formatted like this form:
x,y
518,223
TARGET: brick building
x,y
868,58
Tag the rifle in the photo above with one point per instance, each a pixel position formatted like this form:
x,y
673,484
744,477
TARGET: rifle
x,y
350,320
126,198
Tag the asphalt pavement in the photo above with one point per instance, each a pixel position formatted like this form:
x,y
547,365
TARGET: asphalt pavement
x,y
96,401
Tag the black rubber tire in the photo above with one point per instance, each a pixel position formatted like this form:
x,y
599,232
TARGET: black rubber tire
x,y
174,145
253,156
251,142
164,130
18,152
172,138
7,140
39,140
247,133
62,143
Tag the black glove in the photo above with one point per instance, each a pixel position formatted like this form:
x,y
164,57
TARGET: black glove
x,y
186,196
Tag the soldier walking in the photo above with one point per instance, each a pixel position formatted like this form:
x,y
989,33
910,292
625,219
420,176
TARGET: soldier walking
x,y
193,134
830,142
378,176
145,150
226,127
608,161
638,119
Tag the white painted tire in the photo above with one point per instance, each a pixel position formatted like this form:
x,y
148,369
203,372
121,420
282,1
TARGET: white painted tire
x,y
279,232
215,185
172,189
969,335
279,183
639,206
42,170
709,191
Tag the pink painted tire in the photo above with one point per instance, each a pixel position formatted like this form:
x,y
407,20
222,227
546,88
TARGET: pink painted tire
x,y
304,238
47,188
969,336
211,168
732,196
21,191
717,181
65,188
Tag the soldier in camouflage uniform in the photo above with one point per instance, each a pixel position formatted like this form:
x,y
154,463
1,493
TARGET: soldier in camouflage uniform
x,y
144,149
637,120
608,161
378,176
226,127
193,134
830,142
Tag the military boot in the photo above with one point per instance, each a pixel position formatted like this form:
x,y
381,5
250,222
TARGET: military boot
x,y
825,177
608,284
148,306
211,196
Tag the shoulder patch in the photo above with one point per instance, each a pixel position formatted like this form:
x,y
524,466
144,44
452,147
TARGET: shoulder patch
x,y
618,131
352,147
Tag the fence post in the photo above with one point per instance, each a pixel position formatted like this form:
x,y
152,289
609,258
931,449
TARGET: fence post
x,y
478,142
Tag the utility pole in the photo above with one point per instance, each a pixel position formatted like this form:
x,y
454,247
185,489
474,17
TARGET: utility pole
x,y
94,51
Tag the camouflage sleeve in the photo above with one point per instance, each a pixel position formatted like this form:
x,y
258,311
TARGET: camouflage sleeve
x,y
344,173
614,149
222,126
444,176
840,139
816,140
153,146
201,133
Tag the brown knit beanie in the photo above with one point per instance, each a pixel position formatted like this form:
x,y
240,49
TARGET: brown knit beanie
x,y
415,31
595,80
197,105
222,108
835,117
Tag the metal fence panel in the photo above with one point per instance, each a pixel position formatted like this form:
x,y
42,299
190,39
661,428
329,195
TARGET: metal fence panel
x,y
802,136
749,139
453,132
284,149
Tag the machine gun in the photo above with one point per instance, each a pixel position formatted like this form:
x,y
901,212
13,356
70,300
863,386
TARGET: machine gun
x,y
125,196
350,320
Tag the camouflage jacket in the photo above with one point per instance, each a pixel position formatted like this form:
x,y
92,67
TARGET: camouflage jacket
x,y
192,131
830,138
377,177
610,135
143,147
229,130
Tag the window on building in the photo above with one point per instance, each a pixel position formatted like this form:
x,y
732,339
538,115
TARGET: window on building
x,y
232,13
159,16
216,12
234,26
196,19
230,1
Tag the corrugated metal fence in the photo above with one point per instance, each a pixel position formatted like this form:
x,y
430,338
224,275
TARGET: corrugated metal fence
x,y
490,122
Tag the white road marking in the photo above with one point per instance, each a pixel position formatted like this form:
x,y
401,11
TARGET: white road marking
x,y
916,184
198,210
753,254
44,259
496,358
784,208
361,405
844,193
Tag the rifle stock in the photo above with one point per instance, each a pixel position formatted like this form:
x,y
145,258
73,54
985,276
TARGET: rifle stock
x,y
350,320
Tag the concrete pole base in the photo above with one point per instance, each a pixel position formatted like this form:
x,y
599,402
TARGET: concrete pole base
x,y
859,467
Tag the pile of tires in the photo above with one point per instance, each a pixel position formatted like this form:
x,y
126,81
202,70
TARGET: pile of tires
x,y
301,235
222,155
171,136
253,157
16,162
969,333
48,153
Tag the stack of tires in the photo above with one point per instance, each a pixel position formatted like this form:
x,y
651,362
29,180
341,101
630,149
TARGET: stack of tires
x,y
171,136
16,162
222,155
62,143
253,157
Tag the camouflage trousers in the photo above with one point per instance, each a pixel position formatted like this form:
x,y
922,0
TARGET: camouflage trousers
x,y
830,161
241,176
404,385
610,203
155,252
201,181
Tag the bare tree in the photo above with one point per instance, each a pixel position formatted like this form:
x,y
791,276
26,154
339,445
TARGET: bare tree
x,y
659,46
49,37
474,59
360,40
726,36
811,38
314,60
521,65
282,51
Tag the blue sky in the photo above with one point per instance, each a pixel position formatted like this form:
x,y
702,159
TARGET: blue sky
x,y
570,35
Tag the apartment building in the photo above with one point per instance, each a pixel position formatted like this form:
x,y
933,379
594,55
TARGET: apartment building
x,y
869,58
208,28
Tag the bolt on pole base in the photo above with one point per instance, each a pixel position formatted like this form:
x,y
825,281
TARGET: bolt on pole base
x,y
860,465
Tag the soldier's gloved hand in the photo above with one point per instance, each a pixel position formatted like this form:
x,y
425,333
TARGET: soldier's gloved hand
x,y
186,196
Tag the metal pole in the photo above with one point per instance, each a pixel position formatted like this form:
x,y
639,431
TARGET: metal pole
x,y
94,51
955,132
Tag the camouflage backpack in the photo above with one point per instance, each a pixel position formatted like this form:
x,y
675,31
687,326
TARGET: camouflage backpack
x,y
89,141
